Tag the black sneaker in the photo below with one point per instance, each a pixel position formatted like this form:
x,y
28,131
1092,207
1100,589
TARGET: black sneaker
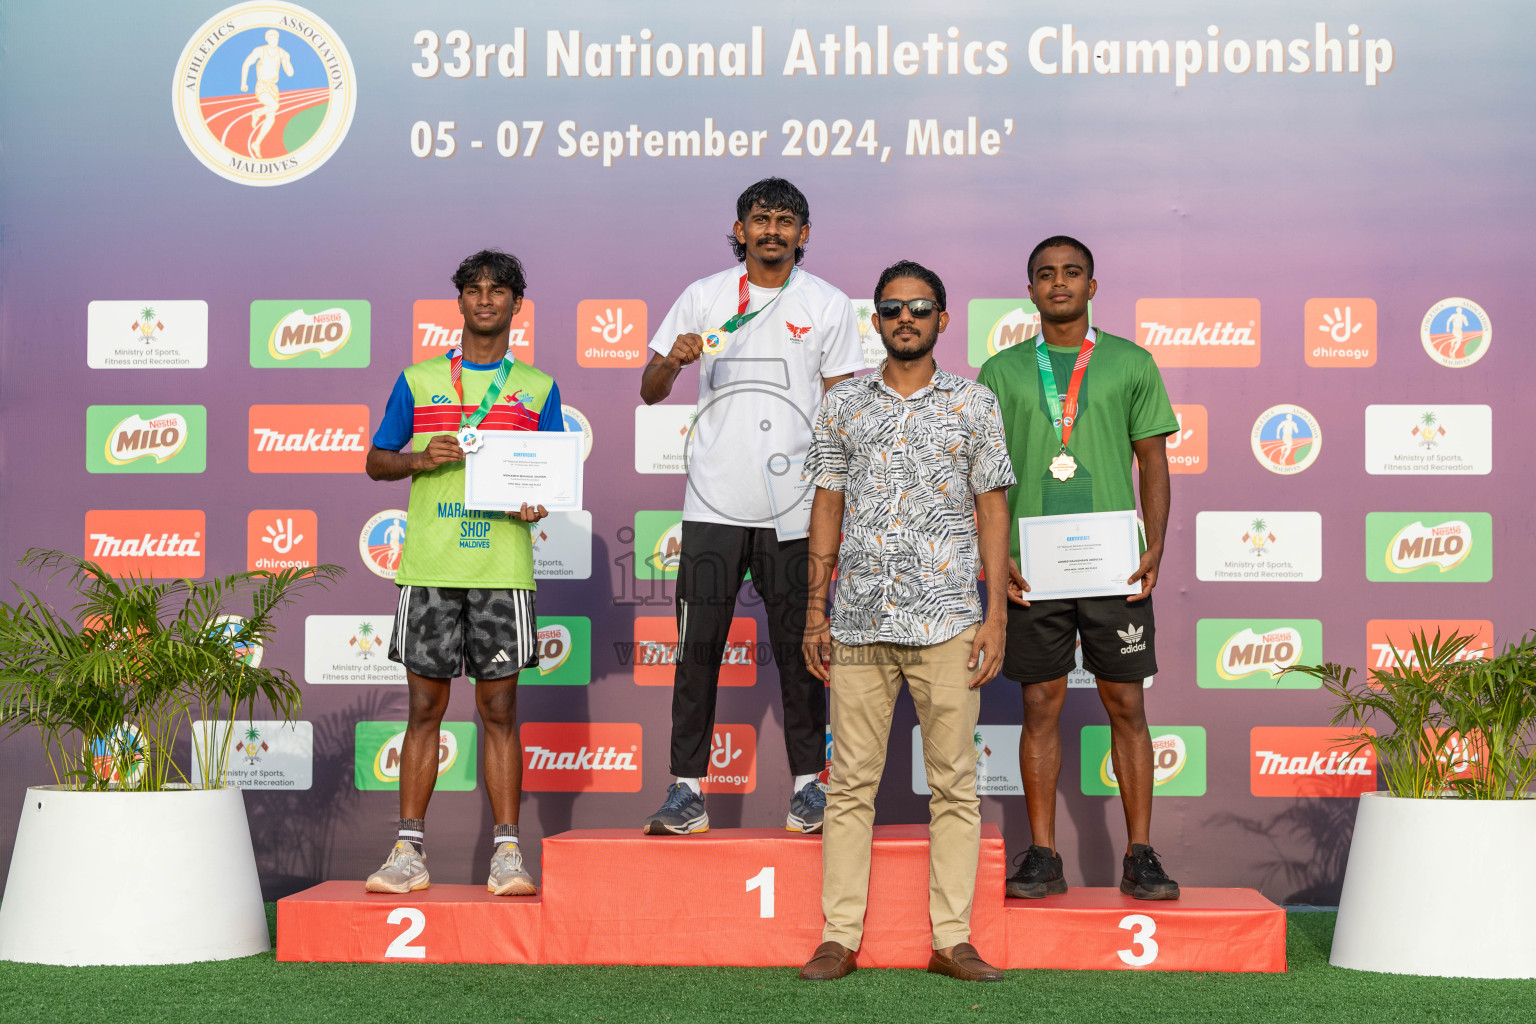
x,y
807,808
681,814
1039,875
1144,876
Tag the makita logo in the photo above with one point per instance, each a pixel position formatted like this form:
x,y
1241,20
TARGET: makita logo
x,y
1315,761
308,438
330,440
600,759
1272,763
156,543
577,757
1389,642
438,327
652,652
1199,332
166,545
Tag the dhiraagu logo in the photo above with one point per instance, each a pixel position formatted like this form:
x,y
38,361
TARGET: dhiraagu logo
x,y
319,334
376,761
1431,547
1239,654
658,545
1178,761
146,439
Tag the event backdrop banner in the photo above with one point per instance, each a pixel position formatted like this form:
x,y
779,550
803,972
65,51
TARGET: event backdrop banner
x,y
1311,215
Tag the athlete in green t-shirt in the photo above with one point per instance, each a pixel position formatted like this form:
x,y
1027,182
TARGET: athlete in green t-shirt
x,y
1077,406
466,576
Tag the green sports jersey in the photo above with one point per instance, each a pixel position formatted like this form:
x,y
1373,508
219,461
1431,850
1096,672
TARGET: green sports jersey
x,y
447,545
1122,400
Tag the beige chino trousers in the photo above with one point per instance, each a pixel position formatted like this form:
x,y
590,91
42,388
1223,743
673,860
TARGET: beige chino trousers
x,y
865,681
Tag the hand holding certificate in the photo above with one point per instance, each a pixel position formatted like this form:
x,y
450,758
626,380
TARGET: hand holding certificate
x,y
1087,555
510,469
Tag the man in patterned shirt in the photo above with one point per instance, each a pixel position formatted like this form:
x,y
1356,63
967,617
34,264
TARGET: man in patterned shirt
x,y
904,451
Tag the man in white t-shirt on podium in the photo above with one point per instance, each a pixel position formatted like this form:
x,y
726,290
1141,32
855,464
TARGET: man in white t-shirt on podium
x,y
769,339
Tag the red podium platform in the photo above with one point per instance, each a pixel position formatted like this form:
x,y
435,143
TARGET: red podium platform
x,y
1099,929
753,898
444,924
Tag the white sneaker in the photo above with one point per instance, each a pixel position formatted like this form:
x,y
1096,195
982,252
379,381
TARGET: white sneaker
x,y
404,871
508,876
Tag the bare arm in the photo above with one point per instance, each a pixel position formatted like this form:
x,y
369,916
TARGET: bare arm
x,y
992,521
826,534
657,377
1152,458
828,383
384,464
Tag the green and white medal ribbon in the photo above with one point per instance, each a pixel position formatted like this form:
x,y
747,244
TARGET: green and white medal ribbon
x,y
469,433
716,338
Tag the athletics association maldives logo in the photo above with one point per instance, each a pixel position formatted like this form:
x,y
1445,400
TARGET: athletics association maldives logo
x,y
382,540
576,422
1456,332
1286,439
264,93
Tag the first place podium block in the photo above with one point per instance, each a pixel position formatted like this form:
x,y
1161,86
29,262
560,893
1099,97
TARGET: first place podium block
x,y
741,897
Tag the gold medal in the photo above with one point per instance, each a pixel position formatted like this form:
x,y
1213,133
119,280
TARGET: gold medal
x,y
715,340
1063,466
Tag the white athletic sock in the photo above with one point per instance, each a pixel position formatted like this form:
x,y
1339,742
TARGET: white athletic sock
x,y
503,834
801,781
692,784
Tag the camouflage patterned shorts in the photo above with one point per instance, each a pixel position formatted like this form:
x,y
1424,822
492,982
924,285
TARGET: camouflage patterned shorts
x,y
489,634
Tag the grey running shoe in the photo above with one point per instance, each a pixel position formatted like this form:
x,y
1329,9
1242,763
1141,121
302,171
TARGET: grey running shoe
x,y
404,871
807,808
681,813
508,876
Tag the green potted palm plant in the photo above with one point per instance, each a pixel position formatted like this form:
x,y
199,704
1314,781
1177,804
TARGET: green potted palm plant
x,y
138,827
1435,882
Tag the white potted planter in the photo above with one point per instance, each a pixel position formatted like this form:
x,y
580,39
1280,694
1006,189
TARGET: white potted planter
x,y
132,878
1439,887
126,863
1437,878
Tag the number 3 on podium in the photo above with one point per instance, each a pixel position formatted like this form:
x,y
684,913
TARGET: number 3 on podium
x,y
1142,929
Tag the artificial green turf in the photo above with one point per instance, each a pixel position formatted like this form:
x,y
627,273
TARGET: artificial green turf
x,y
259,989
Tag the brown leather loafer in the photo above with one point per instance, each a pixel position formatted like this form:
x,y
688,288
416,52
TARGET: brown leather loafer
x,y
830,962
966,964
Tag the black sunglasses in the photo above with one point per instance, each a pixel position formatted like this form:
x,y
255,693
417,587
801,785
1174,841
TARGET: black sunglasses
x,y
921,309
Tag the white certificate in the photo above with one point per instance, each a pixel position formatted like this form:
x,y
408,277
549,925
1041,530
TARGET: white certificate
x,y
789,496
1088,555
516,467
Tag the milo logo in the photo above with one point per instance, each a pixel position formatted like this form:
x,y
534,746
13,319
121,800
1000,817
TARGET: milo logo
x,y
1256,653
554,648
1416,546
1247,652
1446,547
324,332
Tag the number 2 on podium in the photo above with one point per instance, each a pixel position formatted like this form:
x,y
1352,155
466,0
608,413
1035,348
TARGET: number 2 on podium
x,y
763,883
415,922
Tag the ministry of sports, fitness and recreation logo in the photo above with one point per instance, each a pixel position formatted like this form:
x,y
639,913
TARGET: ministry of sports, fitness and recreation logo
x,y
381,542
1286,439
264,93
1456,332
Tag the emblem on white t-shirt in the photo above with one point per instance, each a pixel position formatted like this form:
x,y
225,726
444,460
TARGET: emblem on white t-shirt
x,y
797,334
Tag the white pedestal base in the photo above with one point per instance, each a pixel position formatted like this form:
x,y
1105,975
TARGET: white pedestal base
x,y
132,878
1439,887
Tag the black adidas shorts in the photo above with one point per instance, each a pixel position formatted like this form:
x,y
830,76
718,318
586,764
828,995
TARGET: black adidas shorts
x,y
1117,636
489,634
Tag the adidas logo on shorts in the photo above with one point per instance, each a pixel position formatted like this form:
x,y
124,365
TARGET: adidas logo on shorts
x,y
501,655
1131,635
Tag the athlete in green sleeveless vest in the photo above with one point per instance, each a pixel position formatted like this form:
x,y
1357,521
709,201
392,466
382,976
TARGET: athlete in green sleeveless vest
x,y
465,576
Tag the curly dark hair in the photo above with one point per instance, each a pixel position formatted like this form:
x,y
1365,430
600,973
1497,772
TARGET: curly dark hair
x,y
501,267
908,268
771,194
